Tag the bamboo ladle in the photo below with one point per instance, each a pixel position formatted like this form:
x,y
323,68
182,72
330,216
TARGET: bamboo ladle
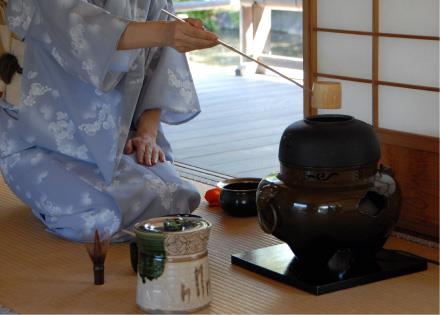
x,y
325,94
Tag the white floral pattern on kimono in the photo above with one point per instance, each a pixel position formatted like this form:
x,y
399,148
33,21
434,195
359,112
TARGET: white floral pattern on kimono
x,y
61,153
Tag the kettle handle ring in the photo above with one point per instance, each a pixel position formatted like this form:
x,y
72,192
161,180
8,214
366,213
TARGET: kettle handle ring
x,y
267,193
265,226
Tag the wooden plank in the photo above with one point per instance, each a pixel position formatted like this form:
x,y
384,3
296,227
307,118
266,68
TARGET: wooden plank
x,y
252,166
375,64
410,86
260,172
281,61
176,132
262,21
226,148
250,154
306,58
226,99
342,31
380,34
379,82
206,144
205,120
314,48
417,174
241,122
343,77
246,30
310,43
410,36
275,133
223,84
408,140
241,118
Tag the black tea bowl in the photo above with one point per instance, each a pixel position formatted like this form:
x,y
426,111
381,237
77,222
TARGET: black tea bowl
x,y
238,196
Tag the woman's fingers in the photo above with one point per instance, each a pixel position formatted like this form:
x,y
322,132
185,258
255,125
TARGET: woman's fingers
x,y
189,43
140,153
128,149
161,156
147,153
196,23
154,156
187,37
195,32
193,45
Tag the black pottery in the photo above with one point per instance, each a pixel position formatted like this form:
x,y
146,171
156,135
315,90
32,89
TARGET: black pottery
x,y
330,203
238,196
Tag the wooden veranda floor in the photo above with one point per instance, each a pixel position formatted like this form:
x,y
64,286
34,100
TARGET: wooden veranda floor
x,y
241,123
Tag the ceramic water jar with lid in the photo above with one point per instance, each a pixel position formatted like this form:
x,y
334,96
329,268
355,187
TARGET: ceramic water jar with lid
x,y
173,270
330,195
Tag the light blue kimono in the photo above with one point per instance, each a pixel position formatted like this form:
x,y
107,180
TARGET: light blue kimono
x,y
61,153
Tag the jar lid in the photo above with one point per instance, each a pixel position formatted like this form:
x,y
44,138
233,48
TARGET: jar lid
x,y
172,224
175,234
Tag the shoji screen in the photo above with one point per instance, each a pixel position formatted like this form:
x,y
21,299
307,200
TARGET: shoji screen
x,y
345,54
386,55
413,61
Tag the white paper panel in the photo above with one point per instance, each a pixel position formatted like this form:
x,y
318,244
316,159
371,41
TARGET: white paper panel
x,y
356,101
409,61
343,54
345,14
417,17
409,110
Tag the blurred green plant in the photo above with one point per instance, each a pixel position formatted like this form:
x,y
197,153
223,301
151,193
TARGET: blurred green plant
x,y
234,16
215,20
208,17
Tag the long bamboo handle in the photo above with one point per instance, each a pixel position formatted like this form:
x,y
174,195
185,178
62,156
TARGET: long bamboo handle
x,y
243,54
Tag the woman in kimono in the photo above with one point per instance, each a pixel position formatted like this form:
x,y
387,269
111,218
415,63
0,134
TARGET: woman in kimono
x,y
99,77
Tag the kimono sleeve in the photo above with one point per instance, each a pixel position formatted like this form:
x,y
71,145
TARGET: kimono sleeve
x,y
81,37
169,86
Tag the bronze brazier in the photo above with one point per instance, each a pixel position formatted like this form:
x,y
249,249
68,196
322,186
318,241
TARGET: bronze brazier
x,y
330,197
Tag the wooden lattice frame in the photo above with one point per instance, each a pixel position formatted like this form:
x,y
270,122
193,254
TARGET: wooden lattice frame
x,y
311,29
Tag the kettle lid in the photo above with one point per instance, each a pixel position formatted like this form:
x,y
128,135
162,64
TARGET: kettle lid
x,y
329,141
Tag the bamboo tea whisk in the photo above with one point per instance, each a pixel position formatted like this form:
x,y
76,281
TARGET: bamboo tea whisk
x,y
97,251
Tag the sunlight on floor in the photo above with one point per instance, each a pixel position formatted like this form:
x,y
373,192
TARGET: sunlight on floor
x,y
241,123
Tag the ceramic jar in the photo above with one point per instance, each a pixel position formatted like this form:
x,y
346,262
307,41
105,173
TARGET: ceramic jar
x,y
330,196
173,269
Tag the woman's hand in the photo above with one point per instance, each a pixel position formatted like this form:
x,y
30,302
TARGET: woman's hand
x,y
189,36
147,150
144,143
183,36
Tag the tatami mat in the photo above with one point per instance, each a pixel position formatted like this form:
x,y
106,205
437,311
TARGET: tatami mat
x,y
40,273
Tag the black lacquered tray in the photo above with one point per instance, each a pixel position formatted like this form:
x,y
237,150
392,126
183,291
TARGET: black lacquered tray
x,y
278,263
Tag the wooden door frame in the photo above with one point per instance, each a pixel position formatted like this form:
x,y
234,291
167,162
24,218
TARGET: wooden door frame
x,y
309,53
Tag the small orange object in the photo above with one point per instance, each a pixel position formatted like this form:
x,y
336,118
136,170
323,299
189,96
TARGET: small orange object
x,y
213,197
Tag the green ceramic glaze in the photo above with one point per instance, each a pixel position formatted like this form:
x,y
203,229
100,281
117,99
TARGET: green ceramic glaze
x,y
151,258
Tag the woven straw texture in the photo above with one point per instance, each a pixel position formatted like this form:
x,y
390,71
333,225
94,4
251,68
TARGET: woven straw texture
x,y
40,273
